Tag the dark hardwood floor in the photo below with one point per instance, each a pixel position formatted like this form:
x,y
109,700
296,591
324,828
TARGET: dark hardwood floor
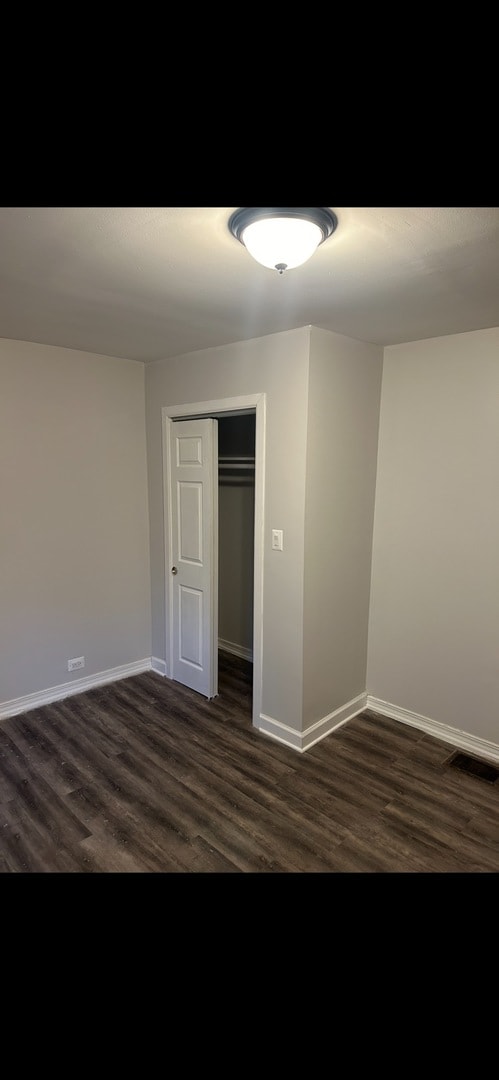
x,y
145,776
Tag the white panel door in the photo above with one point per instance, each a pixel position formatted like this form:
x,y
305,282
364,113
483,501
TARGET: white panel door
x,y
194,554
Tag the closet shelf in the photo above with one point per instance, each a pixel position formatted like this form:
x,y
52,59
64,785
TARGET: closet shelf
x,y
238,463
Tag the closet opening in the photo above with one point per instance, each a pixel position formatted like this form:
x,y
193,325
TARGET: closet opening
x,y
236,528
235,602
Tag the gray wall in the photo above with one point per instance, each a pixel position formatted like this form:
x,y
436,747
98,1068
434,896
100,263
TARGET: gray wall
x,y
434,624
276,365
343,417
74,569
74,545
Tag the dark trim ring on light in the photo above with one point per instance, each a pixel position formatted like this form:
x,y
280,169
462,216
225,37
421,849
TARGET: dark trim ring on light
x,y
282,249
318,215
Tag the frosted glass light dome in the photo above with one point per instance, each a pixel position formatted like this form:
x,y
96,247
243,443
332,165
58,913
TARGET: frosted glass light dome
x,y
282,239
276,242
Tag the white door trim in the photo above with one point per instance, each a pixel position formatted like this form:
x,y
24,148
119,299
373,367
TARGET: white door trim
x,y
191,410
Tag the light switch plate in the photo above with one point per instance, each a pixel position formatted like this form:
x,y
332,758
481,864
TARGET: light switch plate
x,y
277,539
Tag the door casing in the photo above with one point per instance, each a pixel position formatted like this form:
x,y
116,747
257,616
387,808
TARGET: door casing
x,y
246,404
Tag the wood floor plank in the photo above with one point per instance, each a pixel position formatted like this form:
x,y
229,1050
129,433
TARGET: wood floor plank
x,y
144,776
438,835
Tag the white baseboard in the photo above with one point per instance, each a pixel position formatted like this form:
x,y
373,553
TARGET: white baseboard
x,y
296,740
303,740
159,666
479,747
236,650
56,693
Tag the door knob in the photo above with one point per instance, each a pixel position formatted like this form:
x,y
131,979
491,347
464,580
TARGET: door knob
x,y
174,569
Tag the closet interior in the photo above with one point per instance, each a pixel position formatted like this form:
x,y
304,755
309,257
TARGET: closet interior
x,y
236,516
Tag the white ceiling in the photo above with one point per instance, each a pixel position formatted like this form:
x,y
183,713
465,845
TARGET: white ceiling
x,y
150,282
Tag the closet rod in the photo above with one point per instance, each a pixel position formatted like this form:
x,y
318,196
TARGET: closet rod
x,y
234,462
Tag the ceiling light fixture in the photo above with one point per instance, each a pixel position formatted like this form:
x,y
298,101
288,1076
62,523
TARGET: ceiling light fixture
x,y
282,237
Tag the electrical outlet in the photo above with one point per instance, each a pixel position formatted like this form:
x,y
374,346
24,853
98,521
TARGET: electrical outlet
x,y
78,662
